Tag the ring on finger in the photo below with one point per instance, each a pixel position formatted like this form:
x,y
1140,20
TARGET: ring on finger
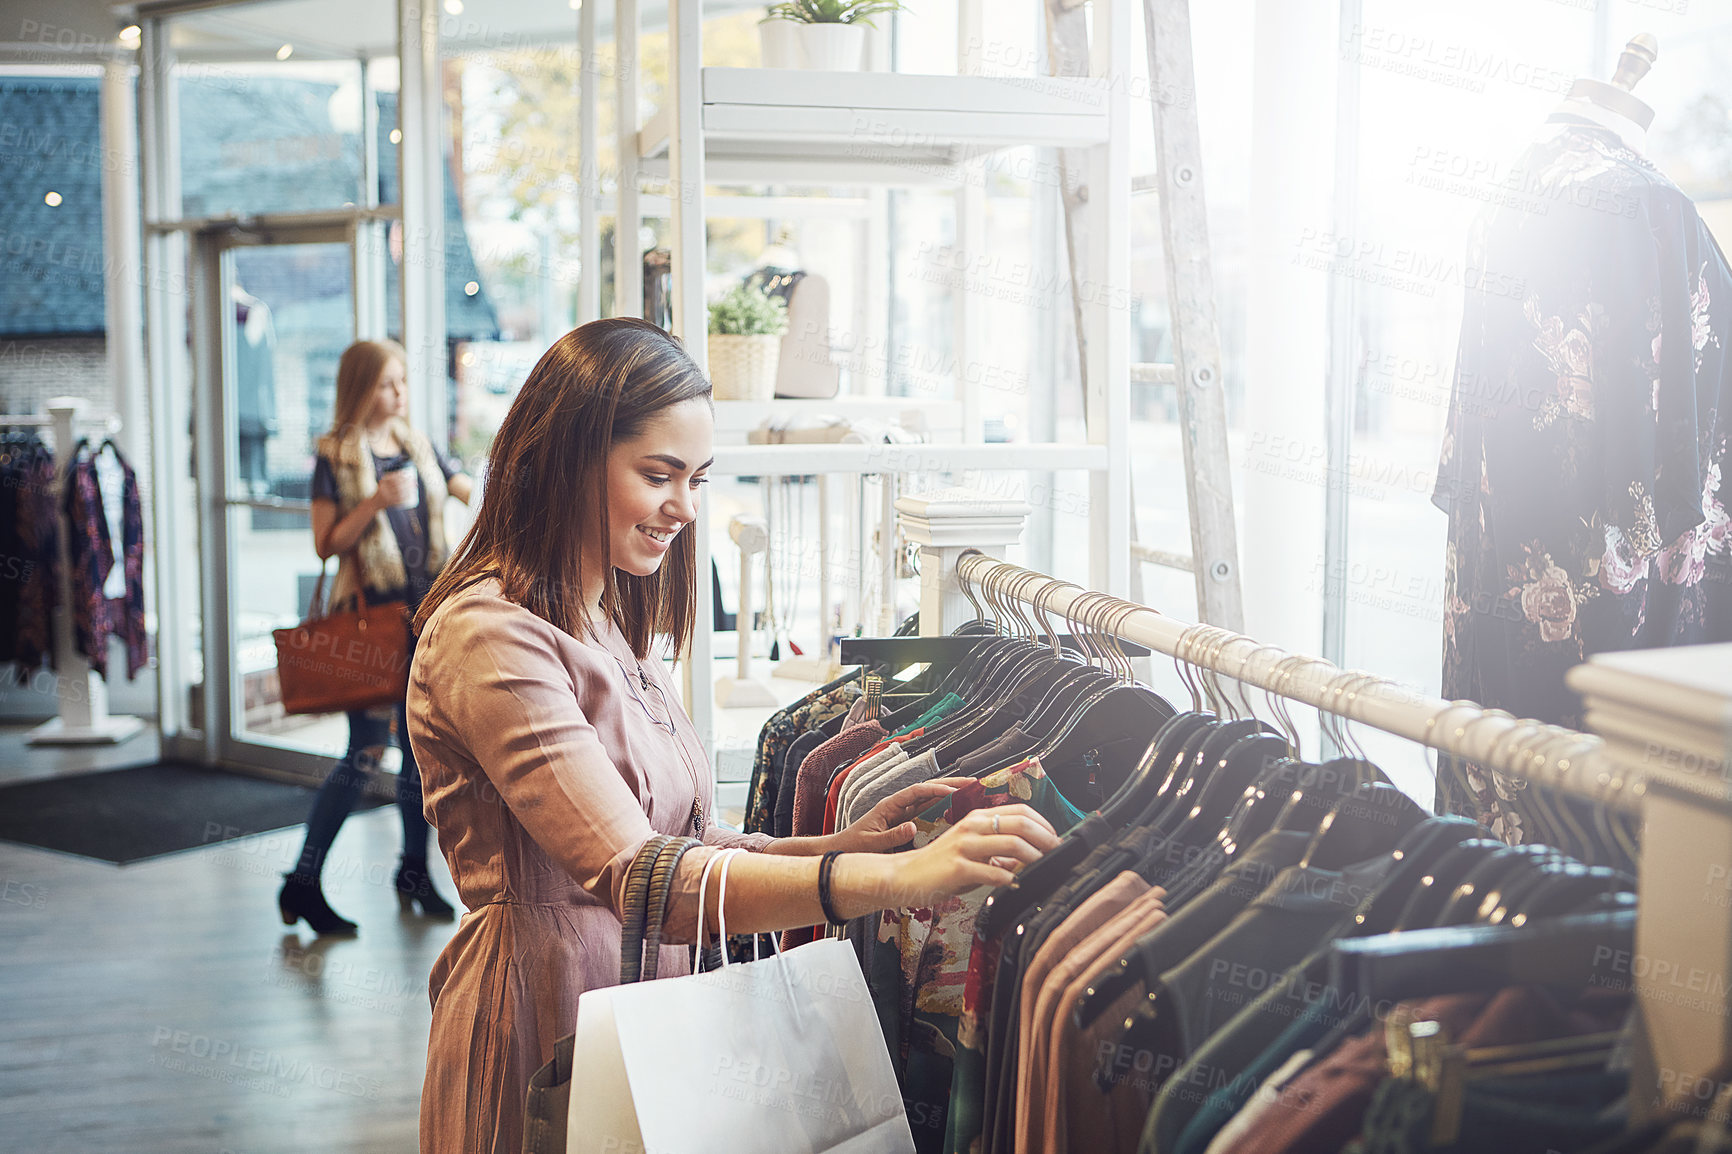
x,y
995,825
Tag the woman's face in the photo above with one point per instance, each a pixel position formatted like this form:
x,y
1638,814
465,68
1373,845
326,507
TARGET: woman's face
x,y
652,484
391,394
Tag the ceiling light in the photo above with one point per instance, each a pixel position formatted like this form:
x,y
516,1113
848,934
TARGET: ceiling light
x,y
576,5
454,7
130,36
396,136
285,51
52,200
471,289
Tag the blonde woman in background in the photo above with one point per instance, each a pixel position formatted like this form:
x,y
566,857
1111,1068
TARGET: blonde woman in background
x,y
379,489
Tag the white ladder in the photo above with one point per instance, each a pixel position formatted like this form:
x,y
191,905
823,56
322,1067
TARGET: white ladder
x,y
1196,367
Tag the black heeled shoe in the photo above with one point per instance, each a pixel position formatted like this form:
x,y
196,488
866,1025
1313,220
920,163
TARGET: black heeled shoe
x,y
301,898
415,887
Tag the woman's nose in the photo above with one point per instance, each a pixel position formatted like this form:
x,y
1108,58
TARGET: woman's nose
x,y
684,505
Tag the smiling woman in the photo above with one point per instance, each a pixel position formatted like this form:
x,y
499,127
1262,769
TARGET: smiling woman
x,y
651,491
534,686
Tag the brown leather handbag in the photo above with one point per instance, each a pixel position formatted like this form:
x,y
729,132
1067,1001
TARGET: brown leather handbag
x,y
355,658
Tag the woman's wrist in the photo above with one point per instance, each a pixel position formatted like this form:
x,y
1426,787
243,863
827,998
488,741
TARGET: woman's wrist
x,y
863,883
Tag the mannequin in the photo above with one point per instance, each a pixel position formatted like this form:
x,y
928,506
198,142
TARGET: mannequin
x,y
1611,105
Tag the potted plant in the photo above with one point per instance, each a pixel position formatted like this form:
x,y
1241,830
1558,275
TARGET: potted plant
x,y
745,343
828,35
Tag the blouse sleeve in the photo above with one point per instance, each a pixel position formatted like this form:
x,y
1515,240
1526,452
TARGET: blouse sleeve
x,y
324,480
516,714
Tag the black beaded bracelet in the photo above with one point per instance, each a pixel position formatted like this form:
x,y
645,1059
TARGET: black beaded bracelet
x,y
826,864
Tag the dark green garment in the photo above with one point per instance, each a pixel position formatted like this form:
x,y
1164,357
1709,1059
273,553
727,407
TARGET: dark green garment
x,y
945,706
1320,1009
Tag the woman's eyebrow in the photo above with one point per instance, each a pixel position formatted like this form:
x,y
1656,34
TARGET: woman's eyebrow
x,y
675,463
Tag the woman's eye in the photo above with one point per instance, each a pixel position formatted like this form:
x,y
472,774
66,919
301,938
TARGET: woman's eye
x,y
656,479
696,481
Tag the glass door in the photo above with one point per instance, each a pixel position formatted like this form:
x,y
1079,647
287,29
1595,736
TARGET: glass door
x,y
278,308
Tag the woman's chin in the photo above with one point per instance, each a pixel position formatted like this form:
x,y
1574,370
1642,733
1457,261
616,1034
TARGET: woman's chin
x,y
641,566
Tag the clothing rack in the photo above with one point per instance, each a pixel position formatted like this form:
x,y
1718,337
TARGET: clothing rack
x,y
82,716
1683,921
1522,748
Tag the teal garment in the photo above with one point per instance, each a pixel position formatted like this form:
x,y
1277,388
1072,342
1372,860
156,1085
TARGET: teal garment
x,y
947,705
919,960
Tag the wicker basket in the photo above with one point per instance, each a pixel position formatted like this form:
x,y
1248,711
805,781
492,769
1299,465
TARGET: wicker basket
x,y
743,368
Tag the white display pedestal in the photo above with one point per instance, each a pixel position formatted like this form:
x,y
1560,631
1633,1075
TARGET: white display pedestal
x,y
741,691
945,524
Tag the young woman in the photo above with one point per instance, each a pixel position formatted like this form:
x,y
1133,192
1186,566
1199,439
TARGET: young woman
x,y
553,744
379,489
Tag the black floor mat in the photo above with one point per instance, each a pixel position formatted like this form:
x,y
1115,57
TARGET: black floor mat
x,y
128,815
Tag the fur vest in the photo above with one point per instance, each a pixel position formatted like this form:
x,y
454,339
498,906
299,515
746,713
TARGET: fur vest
x,y
375,561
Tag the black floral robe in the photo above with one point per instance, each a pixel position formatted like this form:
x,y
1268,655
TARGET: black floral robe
x,y
1582,462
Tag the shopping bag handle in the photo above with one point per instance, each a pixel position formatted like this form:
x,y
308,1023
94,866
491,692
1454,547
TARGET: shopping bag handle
x,y
703,887
725,858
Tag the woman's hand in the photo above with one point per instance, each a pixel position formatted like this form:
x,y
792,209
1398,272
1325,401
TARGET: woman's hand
x,y
888,825
985,848
395,487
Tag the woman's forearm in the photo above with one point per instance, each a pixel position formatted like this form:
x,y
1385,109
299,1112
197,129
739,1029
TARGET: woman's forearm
x,y
771,891
348,531
776,891
802,846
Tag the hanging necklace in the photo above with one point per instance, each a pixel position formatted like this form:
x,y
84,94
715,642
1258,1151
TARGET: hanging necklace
x,y
641,687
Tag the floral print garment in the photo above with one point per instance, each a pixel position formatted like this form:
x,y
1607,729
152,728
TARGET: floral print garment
x,y
1582,462
95,616
778,733
920,960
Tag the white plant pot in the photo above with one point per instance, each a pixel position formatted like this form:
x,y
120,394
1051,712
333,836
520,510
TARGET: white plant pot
x,y
777,45
743,368
832,47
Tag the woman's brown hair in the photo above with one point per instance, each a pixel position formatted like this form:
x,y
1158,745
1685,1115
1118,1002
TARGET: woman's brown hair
x,y
546,490
358,373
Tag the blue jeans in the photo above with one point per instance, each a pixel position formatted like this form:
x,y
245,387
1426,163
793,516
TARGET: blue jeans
x,y
369,733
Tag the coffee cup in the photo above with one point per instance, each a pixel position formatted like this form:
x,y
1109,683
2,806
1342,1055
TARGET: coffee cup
x,y
413,500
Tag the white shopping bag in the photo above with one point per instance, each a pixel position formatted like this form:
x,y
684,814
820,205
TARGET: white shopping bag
x,y
783,1054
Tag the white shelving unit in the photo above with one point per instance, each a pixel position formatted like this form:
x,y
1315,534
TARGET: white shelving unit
x,y
871,130
765,125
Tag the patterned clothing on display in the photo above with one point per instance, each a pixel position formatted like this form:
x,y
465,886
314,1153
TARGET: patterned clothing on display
x,y
1582,462
95,616
920,960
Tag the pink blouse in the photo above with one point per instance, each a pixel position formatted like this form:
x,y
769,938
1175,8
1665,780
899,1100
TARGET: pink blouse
x,y
546,762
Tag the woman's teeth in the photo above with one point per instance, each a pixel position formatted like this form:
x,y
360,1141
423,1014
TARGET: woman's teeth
x,y
659,535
